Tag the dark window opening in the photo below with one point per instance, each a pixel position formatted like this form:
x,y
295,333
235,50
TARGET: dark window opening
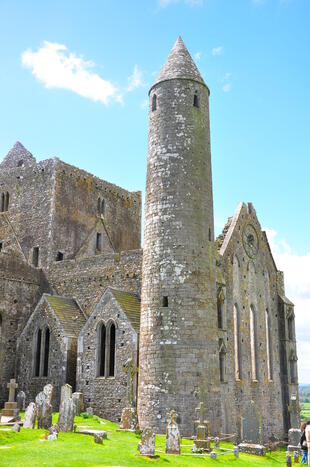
x,y
2,203
60,256
98,241
112,350
35,256
196,101
38,353
219,314
46,352
154,102
99,205
165,301
20,163
6,201
290,325
222,367
102,344
1,246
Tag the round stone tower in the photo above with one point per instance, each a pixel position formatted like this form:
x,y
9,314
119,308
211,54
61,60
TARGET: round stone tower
x,y
178,334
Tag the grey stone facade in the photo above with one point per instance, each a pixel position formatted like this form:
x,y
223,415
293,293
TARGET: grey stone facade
x,y
215,324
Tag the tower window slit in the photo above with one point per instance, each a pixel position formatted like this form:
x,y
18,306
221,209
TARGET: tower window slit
x,y
154,102
98,241
35,256
196,101
165,301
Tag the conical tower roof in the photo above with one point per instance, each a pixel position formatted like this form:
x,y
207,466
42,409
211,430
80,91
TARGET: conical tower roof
x,y
179,64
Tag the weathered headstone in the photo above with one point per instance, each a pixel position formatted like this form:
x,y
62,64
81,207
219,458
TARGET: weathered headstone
x,y
202,441
147,444
129,420
66,409
98,438
236,451
77,398
172,434
30,416
44,407
90,411
10,411
251,431
213,455
16,427
294,432
21,400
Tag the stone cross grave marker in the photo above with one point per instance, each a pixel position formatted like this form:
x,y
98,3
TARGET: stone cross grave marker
x,y
201,441
12,385
200,410
130,369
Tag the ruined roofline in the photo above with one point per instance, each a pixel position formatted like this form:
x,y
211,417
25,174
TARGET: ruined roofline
x,y
18,150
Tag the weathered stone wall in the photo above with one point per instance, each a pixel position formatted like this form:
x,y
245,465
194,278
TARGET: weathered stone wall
x,y
57,366
20,289
178,343
252,281
87,278
107,395
75,213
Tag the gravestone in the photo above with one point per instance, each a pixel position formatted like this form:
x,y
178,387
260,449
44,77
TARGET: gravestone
x,y
21,400
202,441
44,407
172,434
77,398
251,431
16,427
129,420
66,409
10,411
146,446
90,411
294,432
30,416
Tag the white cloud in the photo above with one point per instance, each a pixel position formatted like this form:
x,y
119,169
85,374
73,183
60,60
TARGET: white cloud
x,y
227,87
197,56
56,67
165,3
226,80
297,288
135,80
217,50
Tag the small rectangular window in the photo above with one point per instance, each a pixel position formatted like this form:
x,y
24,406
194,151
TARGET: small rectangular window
x,y
165,301
98,241
1,246
35,256
60,256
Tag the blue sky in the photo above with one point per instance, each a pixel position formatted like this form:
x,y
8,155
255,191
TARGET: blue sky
x,y
74,81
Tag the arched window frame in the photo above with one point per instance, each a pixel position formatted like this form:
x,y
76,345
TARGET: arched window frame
x,y
37,348
269,344
222,360
45,351
101,349
221,321
253,341
237,342
110,350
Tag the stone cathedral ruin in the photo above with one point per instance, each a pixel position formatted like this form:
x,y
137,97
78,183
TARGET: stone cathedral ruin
x,y
205,320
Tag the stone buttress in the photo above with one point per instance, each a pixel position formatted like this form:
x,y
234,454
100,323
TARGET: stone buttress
x,y
178,340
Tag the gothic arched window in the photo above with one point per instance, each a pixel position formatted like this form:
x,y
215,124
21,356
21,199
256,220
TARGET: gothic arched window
x,y
37,352
253,339
101,347
46,351
154,102
111,350
269,345
237,342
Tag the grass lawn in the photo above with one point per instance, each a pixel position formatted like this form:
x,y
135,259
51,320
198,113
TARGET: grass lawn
x,y
120,449
305,411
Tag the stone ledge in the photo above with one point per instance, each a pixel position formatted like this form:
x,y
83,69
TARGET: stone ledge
x,y
257,449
